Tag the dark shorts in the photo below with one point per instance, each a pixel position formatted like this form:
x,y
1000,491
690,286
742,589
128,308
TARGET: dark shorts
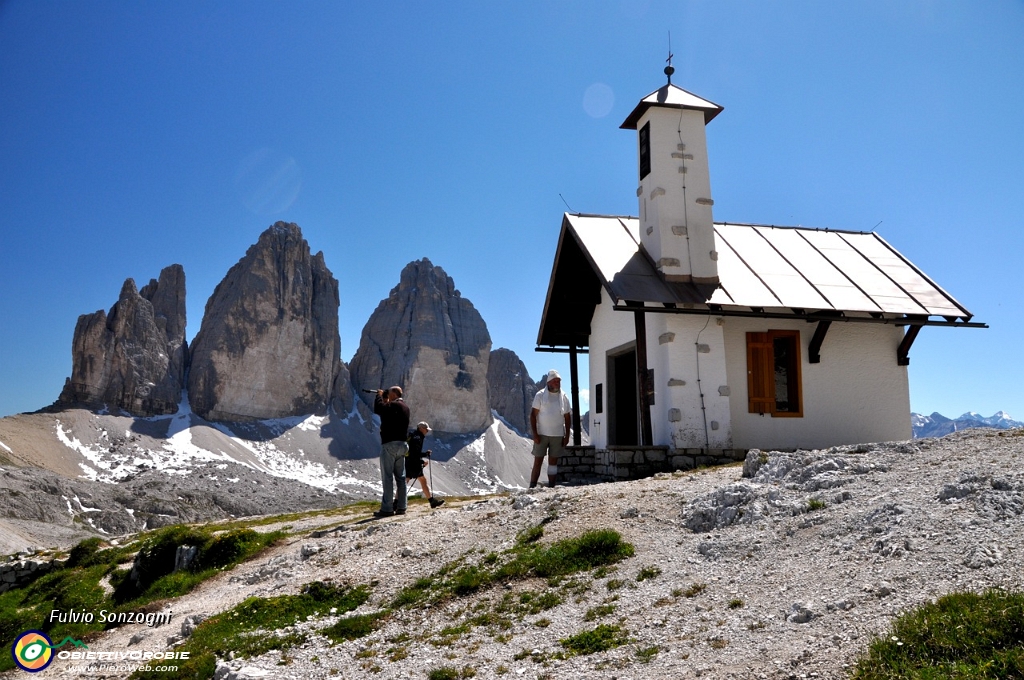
x,y
548,446
413,468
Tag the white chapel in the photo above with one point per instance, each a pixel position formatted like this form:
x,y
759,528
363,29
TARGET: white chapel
x,y
713,337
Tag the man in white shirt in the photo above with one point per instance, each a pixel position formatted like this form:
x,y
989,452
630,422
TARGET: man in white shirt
x,y
551,420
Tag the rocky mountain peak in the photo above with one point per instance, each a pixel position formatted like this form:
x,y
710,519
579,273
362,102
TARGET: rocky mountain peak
x,y
269,345
430,340
133,358
510,389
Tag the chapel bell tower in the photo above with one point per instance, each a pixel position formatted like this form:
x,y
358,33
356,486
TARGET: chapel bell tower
x,y
674,193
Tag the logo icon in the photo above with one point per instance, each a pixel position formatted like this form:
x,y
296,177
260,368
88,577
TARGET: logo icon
x,y
32,651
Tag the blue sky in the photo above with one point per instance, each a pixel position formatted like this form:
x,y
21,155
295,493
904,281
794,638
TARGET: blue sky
x,y
136,135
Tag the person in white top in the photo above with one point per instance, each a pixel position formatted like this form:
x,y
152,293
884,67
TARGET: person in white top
x,y
551,420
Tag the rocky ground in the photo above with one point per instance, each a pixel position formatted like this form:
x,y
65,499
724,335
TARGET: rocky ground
x,y
785,573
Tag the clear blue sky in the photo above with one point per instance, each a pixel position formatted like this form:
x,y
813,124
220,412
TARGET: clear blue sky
x,y
134,135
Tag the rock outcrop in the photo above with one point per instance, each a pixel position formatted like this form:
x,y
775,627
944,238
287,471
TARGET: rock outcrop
x,y
269,345
430,340
133,358
510,389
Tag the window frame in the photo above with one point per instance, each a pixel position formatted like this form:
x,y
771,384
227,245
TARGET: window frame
x,y
761,397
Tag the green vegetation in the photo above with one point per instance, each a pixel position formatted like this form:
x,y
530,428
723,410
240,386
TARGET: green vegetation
x,y
648,572
531,535
601,639
815,504
695,589
449,673
525,560
647,654
599,611
735,603
961,635
253,627
77,585
154,563
353,627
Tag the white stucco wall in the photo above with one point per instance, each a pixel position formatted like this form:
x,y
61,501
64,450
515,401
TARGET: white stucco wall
x,y
681,419
672,353
857,394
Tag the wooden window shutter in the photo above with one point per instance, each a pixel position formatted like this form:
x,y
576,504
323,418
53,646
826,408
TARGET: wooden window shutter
x,y
760,376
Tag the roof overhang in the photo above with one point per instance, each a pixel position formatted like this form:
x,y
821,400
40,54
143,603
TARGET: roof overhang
x,y
594,252
671,97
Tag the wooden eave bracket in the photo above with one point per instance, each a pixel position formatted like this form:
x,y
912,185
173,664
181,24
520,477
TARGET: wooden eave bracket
x,y
903,351
814,350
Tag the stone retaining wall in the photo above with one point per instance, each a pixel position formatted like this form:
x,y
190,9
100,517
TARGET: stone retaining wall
x,y
22,572
587,465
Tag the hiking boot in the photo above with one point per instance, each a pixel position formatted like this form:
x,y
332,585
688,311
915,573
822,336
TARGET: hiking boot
x,y
436,502
400,512
384,513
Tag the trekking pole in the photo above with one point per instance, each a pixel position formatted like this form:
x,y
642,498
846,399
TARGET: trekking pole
x,y
430,467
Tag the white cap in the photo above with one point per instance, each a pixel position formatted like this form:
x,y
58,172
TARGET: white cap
x,y
553,375
424,425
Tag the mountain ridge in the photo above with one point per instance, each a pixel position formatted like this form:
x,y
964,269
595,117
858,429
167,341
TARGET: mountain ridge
x,y
938,425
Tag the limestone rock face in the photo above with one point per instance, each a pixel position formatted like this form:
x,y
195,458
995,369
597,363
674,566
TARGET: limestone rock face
x,y
269,345
511,389
432,342
133,358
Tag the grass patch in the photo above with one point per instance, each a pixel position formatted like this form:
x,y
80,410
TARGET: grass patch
x,y
353,627
695,589
534,603
961,635
253,627
449,673
154,563
735,603
601,639
599,611
647,654
815,504
647,573
531,535
527,559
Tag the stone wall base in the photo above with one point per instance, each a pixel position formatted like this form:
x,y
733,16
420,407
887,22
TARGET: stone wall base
x,y
587,465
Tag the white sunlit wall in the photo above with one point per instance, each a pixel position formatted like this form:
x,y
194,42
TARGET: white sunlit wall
x,y
681,349
856,394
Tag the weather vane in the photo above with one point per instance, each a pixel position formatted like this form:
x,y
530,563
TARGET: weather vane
x,y
668,69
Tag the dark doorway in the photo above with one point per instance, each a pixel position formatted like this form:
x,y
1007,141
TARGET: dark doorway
x,y
623,400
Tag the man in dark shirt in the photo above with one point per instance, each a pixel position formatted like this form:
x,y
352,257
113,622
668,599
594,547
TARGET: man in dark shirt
x,y
394,427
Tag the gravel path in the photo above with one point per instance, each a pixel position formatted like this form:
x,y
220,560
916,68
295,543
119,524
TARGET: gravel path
x,y
786,573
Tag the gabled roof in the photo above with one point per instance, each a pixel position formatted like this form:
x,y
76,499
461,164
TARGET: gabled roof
x,y
672,97
791,270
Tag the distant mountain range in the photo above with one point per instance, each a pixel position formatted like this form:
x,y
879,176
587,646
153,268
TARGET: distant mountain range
x,y
938,425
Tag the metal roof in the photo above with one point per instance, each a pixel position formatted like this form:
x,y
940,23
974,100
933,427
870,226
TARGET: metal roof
x,y
672,97
792,268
